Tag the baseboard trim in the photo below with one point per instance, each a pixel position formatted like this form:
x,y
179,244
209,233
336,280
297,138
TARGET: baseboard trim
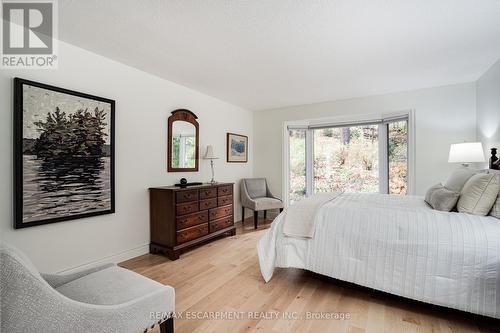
x,y
115,258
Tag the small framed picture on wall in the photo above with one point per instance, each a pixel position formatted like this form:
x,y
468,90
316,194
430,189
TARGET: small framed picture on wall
x,y
237,148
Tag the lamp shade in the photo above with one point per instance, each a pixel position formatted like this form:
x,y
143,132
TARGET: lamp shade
x,y
467,152
209,155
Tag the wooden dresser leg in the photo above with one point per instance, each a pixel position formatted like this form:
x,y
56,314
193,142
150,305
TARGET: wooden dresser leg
x,y
255,218
173,255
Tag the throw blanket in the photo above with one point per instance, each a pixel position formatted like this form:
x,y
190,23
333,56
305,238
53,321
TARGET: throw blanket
x,y
299,218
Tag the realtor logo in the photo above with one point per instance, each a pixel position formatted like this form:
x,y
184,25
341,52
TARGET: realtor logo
x,y
28,34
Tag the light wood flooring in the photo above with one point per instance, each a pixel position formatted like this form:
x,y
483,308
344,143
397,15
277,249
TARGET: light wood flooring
x,y
224,276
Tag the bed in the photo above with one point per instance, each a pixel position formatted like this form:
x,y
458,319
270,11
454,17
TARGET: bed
x,y
396,244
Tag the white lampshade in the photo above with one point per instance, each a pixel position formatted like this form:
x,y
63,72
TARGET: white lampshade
x,y
209,155
467,152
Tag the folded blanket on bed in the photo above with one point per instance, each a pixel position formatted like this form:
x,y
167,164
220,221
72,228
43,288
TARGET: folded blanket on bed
x,y
299,217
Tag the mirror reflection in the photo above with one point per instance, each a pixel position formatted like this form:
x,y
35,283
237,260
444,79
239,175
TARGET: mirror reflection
x,y
183,144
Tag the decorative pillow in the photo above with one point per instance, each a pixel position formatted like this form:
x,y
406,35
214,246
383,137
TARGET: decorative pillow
x,y
429,192
441,198
478,194
495,211
458,178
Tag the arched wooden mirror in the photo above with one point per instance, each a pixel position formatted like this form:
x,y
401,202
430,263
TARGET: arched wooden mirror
x,y
183,141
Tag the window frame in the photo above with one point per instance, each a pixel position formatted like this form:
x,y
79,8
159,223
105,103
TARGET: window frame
x,y
381,120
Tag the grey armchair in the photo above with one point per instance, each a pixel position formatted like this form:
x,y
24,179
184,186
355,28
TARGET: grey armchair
x,y
255,194
105,299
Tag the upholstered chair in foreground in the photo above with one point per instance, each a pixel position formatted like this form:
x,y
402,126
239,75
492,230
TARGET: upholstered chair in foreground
x,y
255,194
105,299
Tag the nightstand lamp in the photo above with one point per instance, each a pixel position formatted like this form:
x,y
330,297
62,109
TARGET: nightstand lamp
x,y
465,153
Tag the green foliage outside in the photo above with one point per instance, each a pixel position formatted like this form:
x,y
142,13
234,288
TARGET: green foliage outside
x,y
189,149
176,142
398,157
80,134
346,160
297,165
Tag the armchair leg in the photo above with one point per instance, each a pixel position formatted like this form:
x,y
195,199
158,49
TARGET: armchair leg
x,y
281,209
255,218
265,215
167,326
242,215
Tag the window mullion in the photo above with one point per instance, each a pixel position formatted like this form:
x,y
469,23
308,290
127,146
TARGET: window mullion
x,y
383,158
309,162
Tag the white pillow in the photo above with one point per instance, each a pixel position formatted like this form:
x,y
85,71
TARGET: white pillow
x,y
458,178
495,211
478,194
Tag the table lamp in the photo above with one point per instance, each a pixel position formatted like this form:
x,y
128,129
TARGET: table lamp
x,y
465,153
209,155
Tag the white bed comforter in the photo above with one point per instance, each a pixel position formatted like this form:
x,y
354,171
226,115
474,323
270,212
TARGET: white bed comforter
x,y
399,245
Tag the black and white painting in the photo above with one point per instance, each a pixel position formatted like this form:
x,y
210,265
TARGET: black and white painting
x,y
64,147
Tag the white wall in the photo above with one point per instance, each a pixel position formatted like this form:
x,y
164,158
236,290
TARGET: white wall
x,y
488,109
143,104
443,115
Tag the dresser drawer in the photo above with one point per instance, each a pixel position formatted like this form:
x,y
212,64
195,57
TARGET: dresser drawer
x,y
208,203
208,193
192,233
186,196
217,213
224,190
186,208
191,219
221,223
225,200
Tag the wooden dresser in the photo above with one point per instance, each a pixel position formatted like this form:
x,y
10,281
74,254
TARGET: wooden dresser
x,y
183,217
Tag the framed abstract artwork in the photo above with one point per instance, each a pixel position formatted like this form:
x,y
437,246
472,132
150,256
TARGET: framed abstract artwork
x,y
237,148
64,154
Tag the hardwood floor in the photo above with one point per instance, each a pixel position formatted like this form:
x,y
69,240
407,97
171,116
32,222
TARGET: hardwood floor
x,y
224,276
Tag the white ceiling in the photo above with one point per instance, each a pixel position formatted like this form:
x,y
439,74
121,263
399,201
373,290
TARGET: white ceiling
x,y
262,54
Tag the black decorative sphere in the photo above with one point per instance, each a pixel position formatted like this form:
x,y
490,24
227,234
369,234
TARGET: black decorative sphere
x,y
184,181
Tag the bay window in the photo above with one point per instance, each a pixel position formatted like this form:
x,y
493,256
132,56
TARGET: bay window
x,y
369,156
